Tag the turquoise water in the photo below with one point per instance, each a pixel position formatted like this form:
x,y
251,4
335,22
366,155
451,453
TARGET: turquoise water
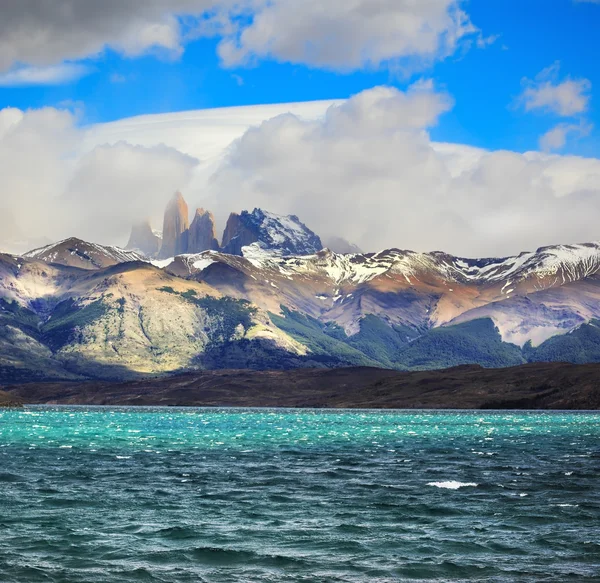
x,y
182,495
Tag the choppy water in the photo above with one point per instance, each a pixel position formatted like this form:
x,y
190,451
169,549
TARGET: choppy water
x,y
107,495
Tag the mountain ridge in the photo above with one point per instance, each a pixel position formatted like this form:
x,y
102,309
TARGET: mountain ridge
x,y
76,309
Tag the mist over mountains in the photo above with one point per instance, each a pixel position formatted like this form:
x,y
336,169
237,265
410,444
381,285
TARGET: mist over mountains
x,y
365,169
267,294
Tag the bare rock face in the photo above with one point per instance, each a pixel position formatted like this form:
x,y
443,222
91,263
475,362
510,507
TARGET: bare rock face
x,y
175,228
238,234
143,239
202,235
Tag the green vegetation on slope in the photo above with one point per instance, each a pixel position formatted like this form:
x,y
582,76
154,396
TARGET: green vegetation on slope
x,y
382,342
474,342
23,356
377,343
227,314
68,318
13,314
578,346
321,339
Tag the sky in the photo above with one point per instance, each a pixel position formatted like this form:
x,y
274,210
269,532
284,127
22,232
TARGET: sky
x,y
466,126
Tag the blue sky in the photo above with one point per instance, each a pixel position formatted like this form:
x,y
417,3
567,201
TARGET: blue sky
x,y
485,83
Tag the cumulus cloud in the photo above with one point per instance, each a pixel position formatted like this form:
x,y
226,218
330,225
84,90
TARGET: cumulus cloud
x,y
51,190
568,98
47,32
365,169
337,34
556,138
564,98
114,186
343,35
369,172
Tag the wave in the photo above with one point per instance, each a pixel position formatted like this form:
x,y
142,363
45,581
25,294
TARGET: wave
x,y
453,485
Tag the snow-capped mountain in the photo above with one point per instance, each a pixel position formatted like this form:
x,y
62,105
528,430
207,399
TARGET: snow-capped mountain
x,y
529,296
77,253
546,267
285,234
278,300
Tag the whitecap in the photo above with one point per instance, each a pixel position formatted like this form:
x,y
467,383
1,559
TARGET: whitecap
x,y
453,485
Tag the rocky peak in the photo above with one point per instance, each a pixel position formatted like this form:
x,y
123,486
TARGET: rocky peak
x,y
238,233
144,239
202,233
175,227
285,234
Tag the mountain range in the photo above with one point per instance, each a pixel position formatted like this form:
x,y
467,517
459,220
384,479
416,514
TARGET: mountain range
x,y
269,296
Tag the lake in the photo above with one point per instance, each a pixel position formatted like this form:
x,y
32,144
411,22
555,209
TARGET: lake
x,y
242,495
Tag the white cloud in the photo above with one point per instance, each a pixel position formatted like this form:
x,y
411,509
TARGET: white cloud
x,y
50,188
51,75
556,138
349,34
337,34
115,185
47,32
568,98
564,98
368,172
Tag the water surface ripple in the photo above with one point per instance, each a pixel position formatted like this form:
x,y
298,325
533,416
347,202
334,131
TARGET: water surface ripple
x,y
233,495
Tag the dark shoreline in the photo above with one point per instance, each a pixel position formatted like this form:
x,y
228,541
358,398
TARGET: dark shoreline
x,y
551,386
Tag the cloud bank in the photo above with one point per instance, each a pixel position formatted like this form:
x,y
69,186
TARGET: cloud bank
x,y
52,188
368,171
365,169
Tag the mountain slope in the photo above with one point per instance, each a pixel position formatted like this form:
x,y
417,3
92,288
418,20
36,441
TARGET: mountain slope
x,y
579,346
474,342
65,314
532,296
125,320
77,253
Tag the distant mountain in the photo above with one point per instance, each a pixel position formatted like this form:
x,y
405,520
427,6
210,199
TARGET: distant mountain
x,y
77,253
126,320
202,234
284,234
144,239
77,309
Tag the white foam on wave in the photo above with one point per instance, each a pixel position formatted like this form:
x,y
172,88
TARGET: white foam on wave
x,y
453,485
